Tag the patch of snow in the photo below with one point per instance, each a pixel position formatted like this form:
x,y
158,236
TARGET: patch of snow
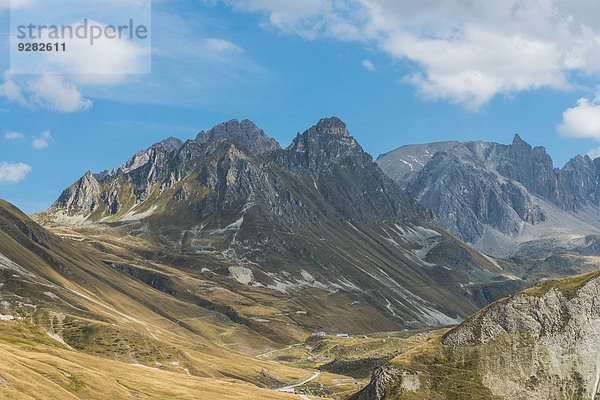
x,y
438,317
125,317
133,216
144,366
151,334
6,317
400,229
5,262
355,228
236,225
307,276
350,285
407,163
281,286
75,238
241,274
257,319
418,233
62,217
389,238
56,337
389,307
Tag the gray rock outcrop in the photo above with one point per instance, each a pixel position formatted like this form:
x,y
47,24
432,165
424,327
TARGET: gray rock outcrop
x,y
494,195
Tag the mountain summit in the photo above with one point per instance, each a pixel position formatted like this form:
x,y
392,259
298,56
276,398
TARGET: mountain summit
x,y
245,132
330,126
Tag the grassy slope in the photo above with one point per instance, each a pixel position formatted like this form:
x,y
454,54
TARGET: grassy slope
x,y
34,367
110,315
450,374
568,286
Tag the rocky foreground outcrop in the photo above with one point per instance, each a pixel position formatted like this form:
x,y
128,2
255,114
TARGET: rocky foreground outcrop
x,y
543,343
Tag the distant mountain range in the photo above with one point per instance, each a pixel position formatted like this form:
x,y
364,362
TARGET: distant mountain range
x,y
319,214
497,196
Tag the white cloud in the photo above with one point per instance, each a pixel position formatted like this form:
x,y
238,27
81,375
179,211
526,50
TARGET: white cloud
x,y
11,90
221,45
108,62
368,64
304,17
6,4
54,93
42,141
465,52
51,92
13,136
13,173
594,153
583,120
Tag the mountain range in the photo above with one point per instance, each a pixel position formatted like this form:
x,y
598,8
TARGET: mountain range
x,y
193,262
498,197
317,217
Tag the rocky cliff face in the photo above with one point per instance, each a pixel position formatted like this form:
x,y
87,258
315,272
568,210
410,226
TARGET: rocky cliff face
x,y
504,194
468,198
83,195
543,343
347,177
236,163
318,214
244,132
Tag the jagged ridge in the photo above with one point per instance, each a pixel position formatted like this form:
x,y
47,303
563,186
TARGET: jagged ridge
x,y
319,213
496,196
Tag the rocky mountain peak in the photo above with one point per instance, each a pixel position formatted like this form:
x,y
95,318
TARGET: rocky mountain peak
x,y
80,196
244,132
517,141
330,126
326,142
170,144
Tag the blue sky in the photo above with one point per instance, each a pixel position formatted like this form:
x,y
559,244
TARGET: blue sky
x,y
395,72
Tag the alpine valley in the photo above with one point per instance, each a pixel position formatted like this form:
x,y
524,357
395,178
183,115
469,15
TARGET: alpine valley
x,y
228,267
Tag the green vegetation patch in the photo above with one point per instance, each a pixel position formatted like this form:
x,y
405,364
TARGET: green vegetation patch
x,y
443,372
567,286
